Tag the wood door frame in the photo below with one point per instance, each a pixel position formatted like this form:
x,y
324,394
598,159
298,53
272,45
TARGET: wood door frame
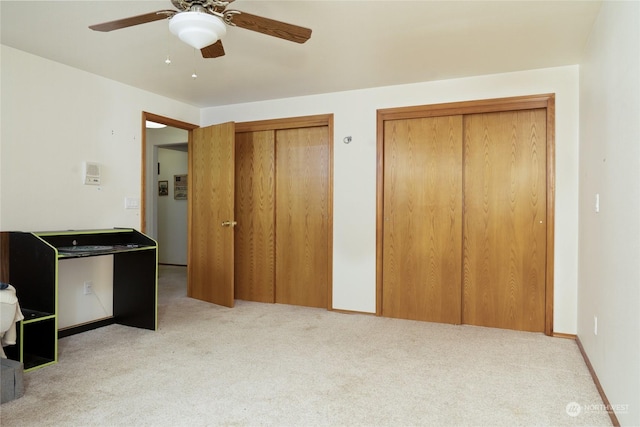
x,y
303,122
528,102
143,187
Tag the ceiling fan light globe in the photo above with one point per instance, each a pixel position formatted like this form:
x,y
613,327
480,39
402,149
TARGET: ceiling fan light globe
x,y
197,29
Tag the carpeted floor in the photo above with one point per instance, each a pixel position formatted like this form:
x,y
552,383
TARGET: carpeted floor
x,y
271,364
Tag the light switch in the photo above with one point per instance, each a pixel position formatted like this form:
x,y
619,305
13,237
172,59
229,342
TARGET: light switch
x,y
131,203
597,202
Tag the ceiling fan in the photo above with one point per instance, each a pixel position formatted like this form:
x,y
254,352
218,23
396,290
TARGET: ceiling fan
x,y
202,23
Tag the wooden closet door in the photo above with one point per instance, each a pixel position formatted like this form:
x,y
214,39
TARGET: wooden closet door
x,y
505,219
302,216
422,219
255,213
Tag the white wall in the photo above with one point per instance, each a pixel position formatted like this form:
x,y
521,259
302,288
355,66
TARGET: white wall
x,y
354,239
609,247
54,117
172,213
74,306
157,138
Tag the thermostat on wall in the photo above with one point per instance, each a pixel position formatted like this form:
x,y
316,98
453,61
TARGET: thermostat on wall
x,y
91,173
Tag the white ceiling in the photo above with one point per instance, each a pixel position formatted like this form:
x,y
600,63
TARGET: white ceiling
x,y
354,44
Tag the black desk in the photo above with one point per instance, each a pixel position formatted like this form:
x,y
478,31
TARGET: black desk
x,y
33,271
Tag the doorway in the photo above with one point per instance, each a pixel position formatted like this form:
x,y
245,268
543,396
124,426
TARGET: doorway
x,y
173,138
170,198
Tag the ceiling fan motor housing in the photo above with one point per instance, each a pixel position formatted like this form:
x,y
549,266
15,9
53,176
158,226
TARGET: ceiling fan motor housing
x,y
211,5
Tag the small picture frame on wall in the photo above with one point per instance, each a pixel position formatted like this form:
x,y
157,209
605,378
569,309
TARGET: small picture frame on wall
x,y
180,187
163,188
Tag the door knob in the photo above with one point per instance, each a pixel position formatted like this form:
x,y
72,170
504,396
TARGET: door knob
x,y
229,223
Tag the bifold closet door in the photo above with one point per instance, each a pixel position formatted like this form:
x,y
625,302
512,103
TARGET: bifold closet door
x,y
302,216
422,219
255,214
505,219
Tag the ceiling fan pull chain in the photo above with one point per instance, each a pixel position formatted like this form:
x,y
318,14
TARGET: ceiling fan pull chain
x,y
168,60
194,75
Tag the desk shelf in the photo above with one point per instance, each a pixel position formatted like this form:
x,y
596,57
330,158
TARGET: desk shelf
x,y
32,263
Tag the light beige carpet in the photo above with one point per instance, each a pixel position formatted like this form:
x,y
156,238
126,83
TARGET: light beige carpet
x,y
270,364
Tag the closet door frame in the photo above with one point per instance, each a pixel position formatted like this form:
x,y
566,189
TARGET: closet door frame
x,y
529,102
304,122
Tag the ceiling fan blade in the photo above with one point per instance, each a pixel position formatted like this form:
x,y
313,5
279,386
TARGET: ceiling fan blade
x,y
134,20
267,26
213,50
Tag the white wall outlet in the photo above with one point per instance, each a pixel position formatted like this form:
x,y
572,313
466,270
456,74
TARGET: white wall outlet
x,y
595,325
88,288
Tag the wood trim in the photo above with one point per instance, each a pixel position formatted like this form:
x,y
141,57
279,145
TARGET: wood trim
x,y
302,122
286,123
168,121
473,107
592,372
143,174
143,187
381,117
352,312
190,161
603,396
330,217
564,336
467,107
551,221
